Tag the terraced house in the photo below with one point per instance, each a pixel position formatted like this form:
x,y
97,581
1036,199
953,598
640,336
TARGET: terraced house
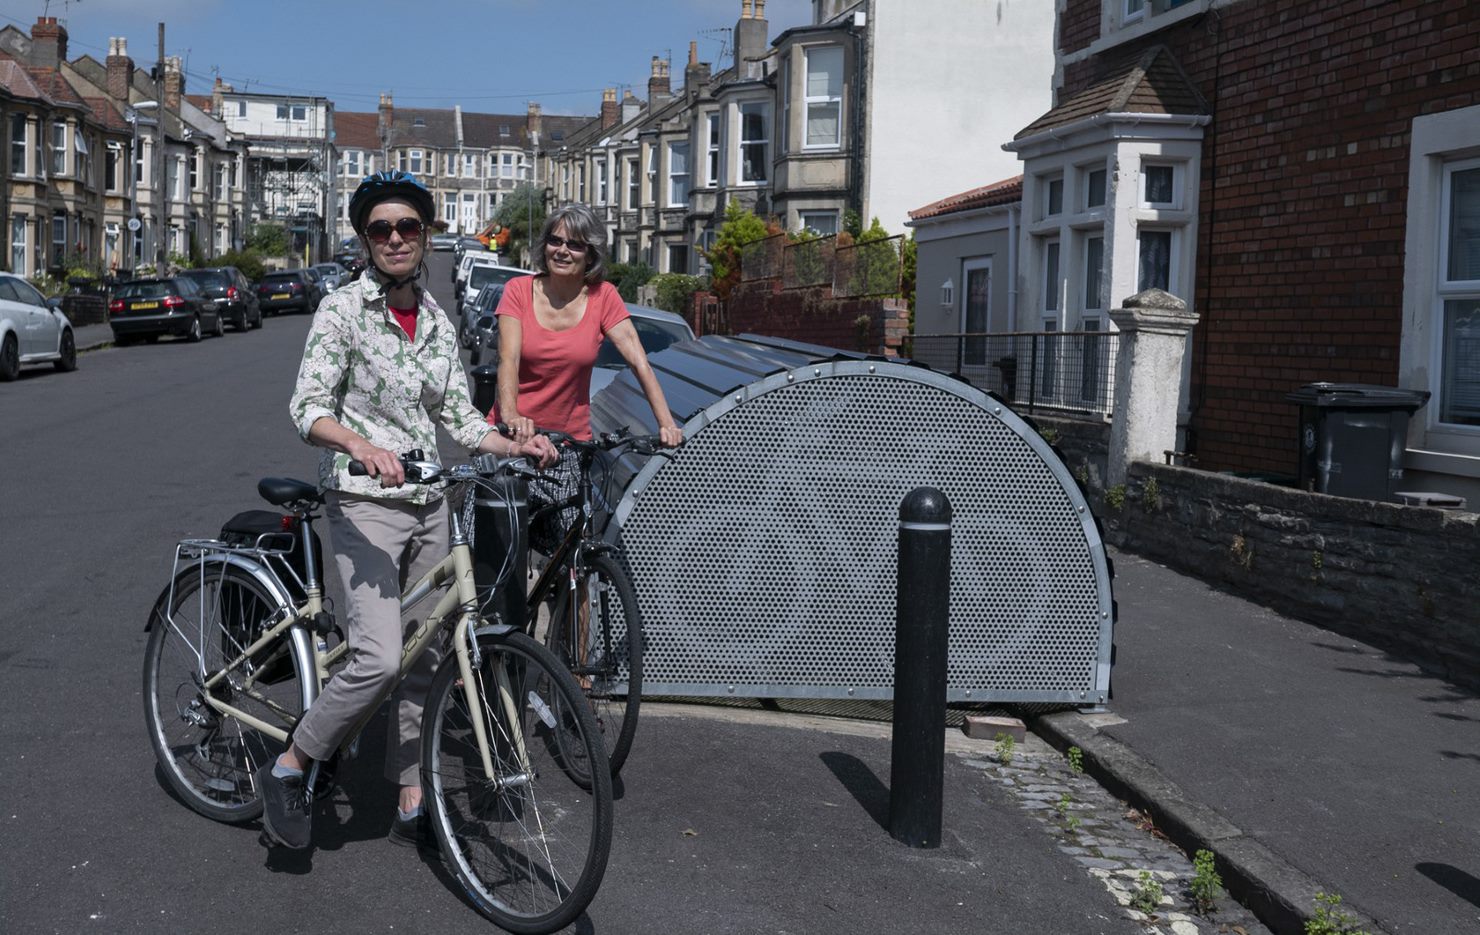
x,y
871,107
79,165
471,161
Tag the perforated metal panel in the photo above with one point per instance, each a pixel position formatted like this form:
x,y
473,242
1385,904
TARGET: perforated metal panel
x,y
764,557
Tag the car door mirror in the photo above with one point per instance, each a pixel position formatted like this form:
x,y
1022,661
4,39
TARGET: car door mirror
x,y
54,302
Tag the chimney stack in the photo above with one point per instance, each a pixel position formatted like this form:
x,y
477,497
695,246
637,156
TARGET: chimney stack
x,y
120,69
696,73
533,121
174,83
386,120
660,89
750,39
631,106
49,42
609,110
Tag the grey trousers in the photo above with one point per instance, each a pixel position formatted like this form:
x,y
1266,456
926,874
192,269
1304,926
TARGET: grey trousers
x,y
379,546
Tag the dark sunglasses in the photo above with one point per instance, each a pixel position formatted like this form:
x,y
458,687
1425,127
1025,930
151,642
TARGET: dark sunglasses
x,y
380,231
574,246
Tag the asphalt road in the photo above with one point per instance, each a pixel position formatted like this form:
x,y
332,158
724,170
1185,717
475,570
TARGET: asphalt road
x,y
722,826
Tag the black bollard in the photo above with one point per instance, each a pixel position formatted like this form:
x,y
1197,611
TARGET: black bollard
x,y
921,640
485,388
500,544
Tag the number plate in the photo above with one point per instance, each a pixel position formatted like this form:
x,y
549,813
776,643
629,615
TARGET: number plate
x,y
281,295
140,306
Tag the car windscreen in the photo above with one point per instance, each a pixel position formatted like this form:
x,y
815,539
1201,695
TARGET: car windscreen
x,y
483,275
654,335
488,299
146,290
208,278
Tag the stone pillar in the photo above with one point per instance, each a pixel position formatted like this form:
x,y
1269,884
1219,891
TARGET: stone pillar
x,y
1148,379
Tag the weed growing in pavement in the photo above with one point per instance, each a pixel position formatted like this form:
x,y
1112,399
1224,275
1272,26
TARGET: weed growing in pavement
x,y
1115,496
1063,804
1206,883
1050,434
1076,760
1081,473
1073,822
1005,747
1147,895
1331,921
1242,555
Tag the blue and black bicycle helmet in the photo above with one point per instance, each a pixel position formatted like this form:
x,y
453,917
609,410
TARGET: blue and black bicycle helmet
x,y
376,188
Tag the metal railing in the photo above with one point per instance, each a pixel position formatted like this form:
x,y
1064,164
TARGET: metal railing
x,y
1072,371
853,270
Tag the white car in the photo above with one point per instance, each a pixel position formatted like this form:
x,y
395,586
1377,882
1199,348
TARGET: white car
x,y
656,329
31,331
465,269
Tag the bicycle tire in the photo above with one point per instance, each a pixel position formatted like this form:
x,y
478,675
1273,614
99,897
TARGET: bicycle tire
x,y
530,846
210,760
610,680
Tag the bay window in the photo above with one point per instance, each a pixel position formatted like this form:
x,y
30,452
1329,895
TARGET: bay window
x,y
754,146
824,97
678,174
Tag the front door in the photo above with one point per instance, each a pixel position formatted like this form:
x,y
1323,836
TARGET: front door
x,y
976,308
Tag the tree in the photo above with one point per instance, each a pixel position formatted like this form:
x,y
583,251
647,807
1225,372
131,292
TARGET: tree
x,y
268,239
741,227
522,214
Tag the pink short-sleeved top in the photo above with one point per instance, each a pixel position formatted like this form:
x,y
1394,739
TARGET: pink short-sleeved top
x,y
555,366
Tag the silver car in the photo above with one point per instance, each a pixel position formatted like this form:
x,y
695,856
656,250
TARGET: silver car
x,y
32,330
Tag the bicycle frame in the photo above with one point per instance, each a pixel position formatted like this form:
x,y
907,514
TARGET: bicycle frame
x,y
460,599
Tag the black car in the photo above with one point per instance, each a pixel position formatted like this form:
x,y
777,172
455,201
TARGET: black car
x,y
147,308
484,303
232,292
290,290
485,339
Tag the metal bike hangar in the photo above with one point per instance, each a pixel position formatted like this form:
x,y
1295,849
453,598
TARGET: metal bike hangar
x,y
764,553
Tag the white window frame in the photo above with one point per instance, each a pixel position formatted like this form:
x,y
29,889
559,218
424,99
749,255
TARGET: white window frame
x,y
810,100
601,181
1177,170
415,158
506,165
58,164
712,150
352,163
18,167
470,165
20,232
804,223
449,207
678,181
634,186
764,142
115,155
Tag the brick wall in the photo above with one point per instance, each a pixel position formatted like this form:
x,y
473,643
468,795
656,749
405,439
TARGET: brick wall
x,y
815,316
1303,196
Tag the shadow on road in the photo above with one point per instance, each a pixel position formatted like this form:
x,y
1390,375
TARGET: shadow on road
x,y
860,781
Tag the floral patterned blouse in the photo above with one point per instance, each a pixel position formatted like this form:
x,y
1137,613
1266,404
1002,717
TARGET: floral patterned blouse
x,y
360,368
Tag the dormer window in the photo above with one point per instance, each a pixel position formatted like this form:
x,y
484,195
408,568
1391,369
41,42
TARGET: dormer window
x,y
419,122
505,130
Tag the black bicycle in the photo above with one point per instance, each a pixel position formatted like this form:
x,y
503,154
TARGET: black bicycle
x,y
585,600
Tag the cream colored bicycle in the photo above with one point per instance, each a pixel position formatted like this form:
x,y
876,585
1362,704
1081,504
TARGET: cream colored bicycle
x,y
514,770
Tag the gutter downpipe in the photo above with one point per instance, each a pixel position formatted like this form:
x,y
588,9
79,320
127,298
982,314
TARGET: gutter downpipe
x,y
1012,265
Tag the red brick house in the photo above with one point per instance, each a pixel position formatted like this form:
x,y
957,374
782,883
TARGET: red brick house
x,y
1305,176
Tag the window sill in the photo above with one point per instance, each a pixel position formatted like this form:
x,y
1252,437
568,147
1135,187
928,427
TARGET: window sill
x,y
1442,462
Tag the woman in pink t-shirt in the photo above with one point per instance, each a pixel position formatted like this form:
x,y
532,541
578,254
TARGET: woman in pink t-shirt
x,y
551,326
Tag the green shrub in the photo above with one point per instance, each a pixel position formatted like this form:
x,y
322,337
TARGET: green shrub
x,y
248,261
628,278
676,290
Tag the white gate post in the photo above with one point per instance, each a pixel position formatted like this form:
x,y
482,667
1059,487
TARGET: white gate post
x,y
1148,376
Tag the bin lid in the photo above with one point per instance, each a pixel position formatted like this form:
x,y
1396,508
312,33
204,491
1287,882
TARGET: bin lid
x,y
1358,396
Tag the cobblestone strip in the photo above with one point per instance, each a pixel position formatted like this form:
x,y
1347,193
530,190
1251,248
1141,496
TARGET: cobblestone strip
x,y
1114,843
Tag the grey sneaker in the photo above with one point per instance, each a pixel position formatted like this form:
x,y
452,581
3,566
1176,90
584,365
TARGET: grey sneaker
x,y
287,815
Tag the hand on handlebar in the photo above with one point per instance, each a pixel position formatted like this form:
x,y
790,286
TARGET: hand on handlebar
x,y
380,463
537,448
521,429
672,435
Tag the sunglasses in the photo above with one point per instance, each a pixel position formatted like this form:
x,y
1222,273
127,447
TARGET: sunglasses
x,y
380,231
574,246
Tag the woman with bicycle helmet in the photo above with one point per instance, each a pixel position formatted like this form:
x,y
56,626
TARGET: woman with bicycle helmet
x,y
551,326
380,372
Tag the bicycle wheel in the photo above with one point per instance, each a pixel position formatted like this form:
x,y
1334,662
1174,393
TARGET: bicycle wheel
x,y
598,637
530,844
210,760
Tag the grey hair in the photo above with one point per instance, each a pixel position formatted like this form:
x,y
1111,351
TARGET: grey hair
x,y
580,224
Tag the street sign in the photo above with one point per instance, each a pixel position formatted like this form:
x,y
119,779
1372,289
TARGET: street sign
x,y
133,224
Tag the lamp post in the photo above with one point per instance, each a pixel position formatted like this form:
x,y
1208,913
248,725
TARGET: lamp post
x,y
131,114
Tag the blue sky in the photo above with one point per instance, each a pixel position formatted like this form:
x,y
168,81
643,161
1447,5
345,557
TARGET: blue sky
x,y
490,56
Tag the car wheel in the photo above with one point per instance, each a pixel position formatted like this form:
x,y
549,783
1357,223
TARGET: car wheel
x,y
243,321
259,319
193,334
68,361
10,358
220,330
151,338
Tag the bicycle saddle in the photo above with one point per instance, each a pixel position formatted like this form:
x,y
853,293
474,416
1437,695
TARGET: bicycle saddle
x,y
280,491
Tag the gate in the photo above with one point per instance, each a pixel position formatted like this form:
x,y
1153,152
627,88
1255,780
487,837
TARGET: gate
x,y
764,554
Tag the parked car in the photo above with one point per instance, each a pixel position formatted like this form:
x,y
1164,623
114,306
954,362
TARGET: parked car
x,y
482,274
484,303
33,330
295,290
656,329
147,308
443,241
464,245
468,261
484,340
334,275
235,296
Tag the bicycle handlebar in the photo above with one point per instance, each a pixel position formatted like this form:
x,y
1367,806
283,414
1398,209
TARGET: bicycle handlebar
x,y
420,470
606,441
